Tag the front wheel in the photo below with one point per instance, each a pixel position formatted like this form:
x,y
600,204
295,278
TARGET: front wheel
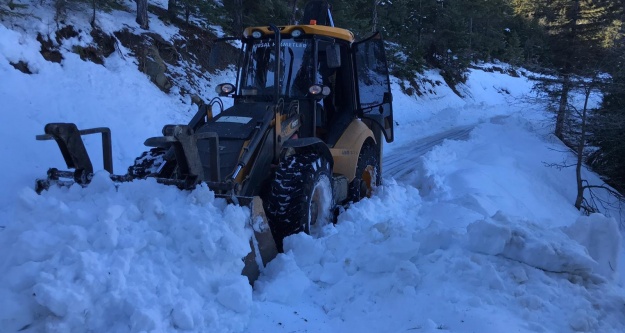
x,y
300,196
367,173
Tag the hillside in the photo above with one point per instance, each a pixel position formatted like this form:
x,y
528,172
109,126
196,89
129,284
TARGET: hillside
x,y
477,235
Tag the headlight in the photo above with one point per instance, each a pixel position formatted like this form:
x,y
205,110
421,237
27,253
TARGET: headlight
x,y
315,89
325,91
257,34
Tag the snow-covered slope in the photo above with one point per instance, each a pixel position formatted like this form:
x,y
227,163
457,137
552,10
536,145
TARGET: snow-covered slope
x,y
478,235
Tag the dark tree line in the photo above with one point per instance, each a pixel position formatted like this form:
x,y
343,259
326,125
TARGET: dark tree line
x,y
448,34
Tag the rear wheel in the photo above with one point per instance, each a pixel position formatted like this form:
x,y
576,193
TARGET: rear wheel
x,y
300,196
367,173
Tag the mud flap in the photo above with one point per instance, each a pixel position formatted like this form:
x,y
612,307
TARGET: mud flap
x,y
262,245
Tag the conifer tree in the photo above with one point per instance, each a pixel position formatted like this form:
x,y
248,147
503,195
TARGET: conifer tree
x,y
607,124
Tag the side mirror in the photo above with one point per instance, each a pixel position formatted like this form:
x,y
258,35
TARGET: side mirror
x,y
333,56
224,89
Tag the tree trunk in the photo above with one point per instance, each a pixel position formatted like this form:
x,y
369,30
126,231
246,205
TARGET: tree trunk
x,y
93,16
375,16
171,9
142,14
60,6
566,85
420,25
293,11
562,107
237,23
580,153
471,37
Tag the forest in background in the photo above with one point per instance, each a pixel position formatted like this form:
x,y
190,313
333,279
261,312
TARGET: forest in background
x,y
578,44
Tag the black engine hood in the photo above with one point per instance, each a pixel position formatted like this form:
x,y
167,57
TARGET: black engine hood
x,y
238,121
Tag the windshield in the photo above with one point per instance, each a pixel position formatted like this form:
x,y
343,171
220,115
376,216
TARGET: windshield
x,y
296,68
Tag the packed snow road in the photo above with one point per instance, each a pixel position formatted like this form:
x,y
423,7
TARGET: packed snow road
x,y
401,161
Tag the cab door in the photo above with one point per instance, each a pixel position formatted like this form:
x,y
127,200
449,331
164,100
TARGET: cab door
x,y
373,89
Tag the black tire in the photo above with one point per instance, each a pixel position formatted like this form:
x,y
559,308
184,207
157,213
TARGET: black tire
x,y
367,173
300,196
150,164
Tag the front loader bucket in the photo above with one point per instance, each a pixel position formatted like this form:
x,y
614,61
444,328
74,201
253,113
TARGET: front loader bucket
x,y
263,246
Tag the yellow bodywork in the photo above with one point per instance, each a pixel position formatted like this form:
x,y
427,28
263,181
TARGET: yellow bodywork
x,y
322,30
345,152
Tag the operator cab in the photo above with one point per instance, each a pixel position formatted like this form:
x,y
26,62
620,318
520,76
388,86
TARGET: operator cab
x,y
319,68
313,70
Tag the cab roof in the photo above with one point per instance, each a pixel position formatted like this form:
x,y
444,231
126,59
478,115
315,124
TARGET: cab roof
x,y
321,30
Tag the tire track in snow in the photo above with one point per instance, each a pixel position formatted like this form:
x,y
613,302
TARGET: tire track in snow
x,y
403,159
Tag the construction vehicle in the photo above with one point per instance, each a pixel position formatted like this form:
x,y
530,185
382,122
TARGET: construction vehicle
x,y
302,139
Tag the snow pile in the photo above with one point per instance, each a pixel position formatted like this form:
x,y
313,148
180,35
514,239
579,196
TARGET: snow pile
x,y
105,259
502,166
547,249
602,239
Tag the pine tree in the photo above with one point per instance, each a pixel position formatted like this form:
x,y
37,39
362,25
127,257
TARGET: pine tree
x,y
575,34
608,122
607,127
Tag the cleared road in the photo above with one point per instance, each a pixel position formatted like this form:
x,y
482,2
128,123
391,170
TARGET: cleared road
x,y
403,159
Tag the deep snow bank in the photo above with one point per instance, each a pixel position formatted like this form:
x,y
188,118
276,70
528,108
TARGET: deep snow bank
x,y
142,257
387,267
481,237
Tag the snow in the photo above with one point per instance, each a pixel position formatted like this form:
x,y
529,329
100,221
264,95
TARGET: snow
x,y
479,234
90,257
